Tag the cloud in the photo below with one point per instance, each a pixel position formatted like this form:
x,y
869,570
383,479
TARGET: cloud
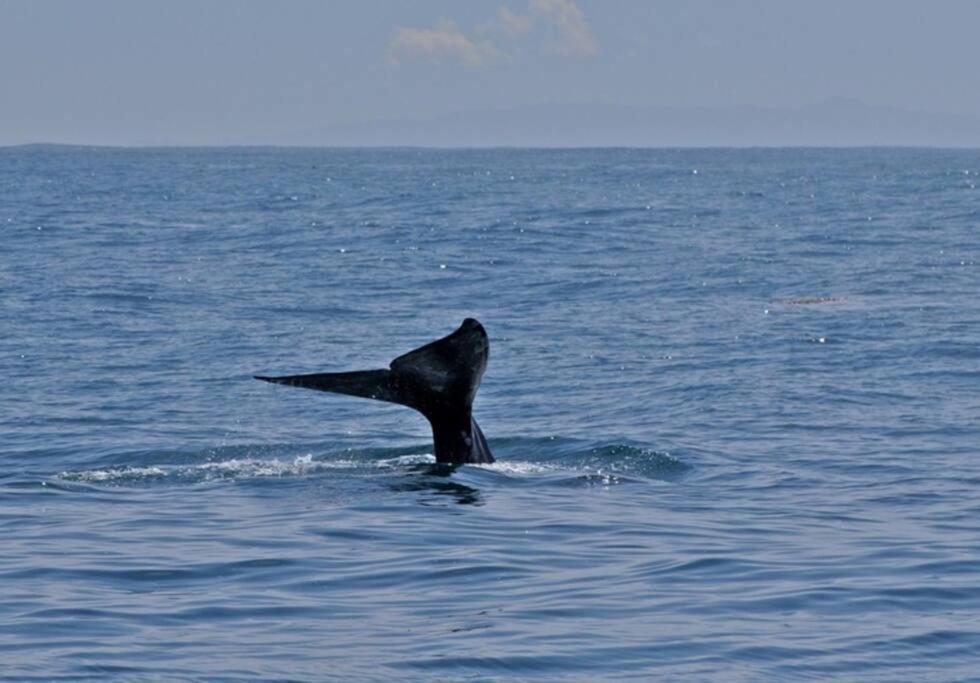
x,y
571,35
514,24
442,42
575,37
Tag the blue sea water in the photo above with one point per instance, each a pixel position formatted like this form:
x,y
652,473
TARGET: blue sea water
x,y
734,396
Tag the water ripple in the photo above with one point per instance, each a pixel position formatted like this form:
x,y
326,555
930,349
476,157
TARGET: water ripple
x,y
735,415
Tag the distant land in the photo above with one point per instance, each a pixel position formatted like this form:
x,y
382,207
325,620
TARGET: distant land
x,y
837,122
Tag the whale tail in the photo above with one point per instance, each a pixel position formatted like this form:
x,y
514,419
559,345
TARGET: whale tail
x,y
439,380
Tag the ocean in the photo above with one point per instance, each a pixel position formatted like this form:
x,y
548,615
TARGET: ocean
x,y
734,396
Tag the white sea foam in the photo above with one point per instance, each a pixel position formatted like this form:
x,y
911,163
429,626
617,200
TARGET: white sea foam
x,y
522,468
402,460
233,468
304,465
115,473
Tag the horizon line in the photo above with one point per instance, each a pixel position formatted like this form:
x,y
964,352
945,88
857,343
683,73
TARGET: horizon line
x,y
314,146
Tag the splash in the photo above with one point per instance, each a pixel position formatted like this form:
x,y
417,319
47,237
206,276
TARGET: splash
x,y
235,468
530,461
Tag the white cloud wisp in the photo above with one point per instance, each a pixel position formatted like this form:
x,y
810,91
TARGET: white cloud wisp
x,y
444,42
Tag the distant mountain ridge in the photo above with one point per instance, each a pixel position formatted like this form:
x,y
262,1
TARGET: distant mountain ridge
x,y
837,122
834,122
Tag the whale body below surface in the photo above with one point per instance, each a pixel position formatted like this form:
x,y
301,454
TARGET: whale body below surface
x,y
439,380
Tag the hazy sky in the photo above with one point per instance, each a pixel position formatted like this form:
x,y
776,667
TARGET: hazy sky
x,y
210,72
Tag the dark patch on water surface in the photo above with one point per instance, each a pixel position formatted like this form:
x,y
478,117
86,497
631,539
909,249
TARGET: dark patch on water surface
x,y
810,301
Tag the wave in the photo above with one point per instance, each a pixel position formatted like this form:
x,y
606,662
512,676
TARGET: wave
x,y
544,461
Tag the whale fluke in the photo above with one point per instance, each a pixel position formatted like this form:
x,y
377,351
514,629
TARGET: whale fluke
x,y
439,380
